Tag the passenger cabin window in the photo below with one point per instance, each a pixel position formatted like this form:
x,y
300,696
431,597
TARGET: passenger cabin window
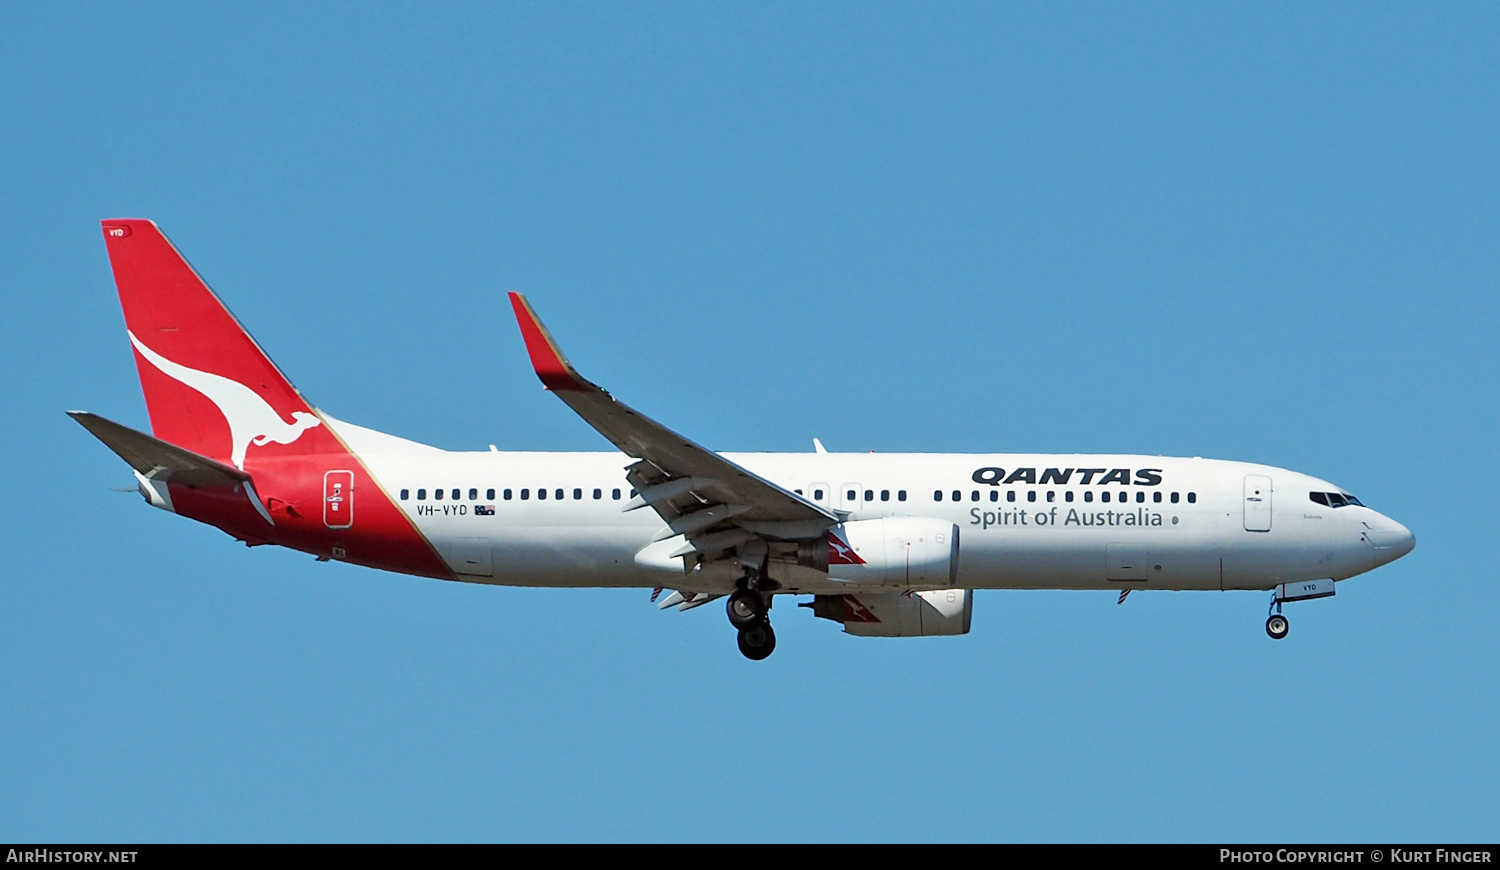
x,y
1051,496
405,493
1088,495
1192,498
525,494
507,495
1104,496
577,494
489,494
541,493
1068,496
437,493
1174,498
885,495
456,495
1156,497
994,495
598,494
937,496
1031,495
421,494
615,495
473,495
974,496
558,495
1140,497
850,495
1010,495
900,495
817,495
958,496
869,495
797,491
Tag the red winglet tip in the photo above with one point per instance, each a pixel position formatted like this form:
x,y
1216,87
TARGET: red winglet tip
x,y
550,364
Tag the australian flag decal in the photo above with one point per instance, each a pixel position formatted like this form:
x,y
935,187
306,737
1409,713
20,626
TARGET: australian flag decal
x,y
484,510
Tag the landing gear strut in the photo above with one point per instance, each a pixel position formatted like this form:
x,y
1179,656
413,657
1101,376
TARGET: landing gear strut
x,y
747,610
1277,625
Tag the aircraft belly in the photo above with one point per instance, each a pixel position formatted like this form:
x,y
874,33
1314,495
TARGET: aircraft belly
x,y
563,556
1089,559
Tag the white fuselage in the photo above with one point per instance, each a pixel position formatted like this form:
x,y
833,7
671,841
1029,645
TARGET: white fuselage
x,y
1168,523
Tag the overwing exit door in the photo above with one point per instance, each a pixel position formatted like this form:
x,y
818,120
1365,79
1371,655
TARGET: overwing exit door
x,y
1257,503
849,496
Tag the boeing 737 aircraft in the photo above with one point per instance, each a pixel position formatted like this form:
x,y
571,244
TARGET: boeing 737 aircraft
x,y
887,545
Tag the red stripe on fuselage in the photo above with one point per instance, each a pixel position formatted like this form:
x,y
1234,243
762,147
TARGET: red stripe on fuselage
x,y
292,490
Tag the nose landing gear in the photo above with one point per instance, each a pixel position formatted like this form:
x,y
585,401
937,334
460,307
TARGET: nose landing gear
x,y
1277,625
1301,590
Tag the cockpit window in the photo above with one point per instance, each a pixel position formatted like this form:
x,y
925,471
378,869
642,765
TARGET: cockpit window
x,y
1335,499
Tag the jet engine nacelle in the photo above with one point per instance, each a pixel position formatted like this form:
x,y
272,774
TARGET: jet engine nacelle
x,y
895,551
944,612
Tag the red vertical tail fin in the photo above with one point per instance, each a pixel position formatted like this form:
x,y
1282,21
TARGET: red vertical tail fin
x,y
209,387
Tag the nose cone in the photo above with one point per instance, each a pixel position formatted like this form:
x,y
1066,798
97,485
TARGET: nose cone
x,y
1390,539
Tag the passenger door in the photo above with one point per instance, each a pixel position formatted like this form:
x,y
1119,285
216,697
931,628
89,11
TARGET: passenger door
x,y
338,499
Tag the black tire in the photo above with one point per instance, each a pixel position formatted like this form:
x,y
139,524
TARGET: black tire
x,y
745,609
1277,627
757,641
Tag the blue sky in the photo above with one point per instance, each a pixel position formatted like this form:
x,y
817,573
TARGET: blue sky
x,y
1250,232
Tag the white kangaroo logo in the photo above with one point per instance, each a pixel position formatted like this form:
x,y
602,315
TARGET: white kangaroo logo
x,y
251,419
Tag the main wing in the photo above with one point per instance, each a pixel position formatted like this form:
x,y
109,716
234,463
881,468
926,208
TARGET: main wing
x,y
714,509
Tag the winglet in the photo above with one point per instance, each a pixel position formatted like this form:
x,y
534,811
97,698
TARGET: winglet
x,y
554,370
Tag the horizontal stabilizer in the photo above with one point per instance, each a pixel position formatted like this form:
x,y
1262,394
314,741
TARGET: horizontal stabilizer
x,y
147,455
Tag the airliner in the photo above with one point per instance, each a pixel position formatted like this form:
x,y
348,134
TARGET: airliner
x,y
887,545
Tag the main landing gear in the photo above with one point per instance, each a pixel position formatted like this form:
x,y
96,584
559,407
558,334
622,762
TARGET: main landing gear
x,y
748,613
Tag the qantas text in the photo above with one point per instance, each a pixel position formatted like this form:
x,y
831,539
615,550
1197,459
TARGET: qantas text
x,y
992,476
